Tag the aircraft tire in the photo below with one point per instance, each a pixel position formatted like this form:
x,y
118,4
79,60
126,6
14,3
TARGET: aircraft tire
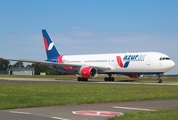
x,y
112,79
82,79
105,79
109,79
85,79
159,80
79,79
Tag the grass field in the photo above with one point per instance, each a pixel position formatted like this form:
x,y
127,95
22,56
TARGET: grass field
x,y
151,115
21,95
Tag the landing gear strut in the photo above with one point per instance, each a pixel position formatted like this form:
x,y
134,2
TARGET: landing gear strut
x,y
109,78
159,80
82,79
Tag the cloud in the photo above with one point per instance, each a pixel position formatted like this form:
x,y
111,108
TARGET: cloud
x,y
114,41
21,46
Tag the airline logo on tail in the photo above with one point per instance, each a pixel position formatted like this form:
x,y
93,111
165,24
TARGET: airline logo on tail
x,y
48,47
51,51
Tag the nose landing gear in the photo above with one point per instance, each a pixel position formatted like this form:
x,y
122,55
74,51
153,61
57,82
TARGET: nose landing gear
x,y
159,80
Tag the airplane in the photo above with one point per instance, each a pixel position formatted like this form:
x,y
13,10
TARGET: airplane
x,y
134,64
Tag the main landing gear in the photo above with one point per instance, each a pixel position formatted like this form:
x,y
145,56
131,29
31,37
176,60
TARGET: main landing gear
x,y
82,79
159,80
109,78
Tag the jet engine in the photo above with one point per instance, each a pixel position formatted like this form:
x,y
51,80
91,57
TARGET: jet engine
x,y
88,72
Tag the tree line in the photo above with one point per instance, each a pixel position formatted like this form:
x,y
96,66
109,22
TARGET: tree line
x,y
37,67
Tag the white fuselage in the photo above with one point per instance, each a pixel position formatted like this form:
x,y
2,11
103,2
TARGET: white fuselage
x,y
137,62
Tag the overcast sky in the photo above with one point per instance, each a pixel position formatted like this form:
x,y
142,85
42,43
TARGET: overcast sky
x,y
89,26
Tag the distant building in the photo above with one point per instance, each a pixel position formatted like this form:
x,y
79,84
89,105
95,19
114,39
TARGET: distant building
x,y
3,70
21,71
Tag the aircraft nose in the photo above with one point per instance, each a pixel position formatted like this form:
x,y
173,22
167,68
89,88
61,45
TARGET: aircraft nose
x,y
172,64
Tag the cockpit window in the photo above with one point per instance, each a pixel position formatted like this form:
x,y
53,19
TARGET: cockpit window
x,y
164,58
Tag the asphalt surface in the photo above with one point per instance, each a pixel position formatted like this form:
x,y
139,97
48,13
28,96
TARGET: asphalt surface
x,y
32,80
99,111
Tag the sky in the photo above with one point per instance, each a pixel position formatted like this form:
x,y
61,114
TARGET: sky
x,y
88,27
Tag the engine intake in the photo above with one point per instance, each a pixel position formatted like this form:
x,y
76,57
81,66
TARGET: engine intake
x,y
88,72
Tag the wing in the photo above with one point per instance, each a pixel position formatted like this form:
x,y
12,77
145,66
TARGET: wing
x,y
99,68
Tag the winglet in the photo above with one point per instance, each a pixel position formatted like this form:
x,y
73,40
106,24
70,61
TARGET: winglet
x,y
51,51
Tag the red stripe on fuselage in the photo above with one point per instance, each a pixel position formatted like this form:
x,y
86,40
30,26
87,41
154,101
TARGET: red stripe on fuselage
x,y
119,61
59,59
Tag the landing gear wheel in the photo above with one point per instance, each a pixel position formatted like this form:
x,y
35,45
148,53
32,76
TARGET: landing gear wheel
x,y
105,79
109,78
85,79
112,79
159,80
82,79
79,78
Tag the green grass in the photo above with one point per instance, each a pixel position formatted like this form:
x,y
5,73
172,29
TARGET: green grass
x,y
171,114
21,95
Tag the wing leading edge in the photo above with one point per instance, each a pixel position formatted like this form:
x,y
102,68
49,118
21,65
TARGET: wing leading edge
x,y
55,64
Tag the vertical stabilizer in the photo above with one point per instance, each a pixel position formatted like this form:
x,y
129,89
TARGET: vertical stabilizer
x,y
51,51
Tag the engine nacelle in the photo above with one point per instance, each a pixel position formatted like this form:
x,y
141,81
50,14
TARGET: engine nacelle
x,y
134,76
88,72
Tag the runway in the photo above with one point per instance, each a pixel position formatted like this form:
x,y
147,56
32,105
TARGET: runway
x,y
24,80
99,111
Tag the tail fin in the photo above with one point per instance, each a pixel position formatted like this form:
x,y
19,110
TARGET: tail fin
x,y
50,48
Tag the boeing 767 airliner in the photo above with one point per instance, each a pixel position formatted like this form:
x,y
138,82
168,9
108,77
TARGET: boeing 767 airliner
x,y
134,64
